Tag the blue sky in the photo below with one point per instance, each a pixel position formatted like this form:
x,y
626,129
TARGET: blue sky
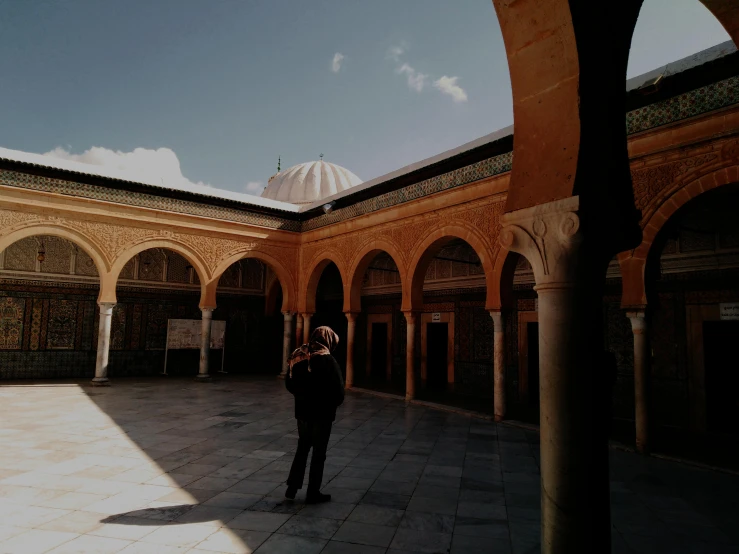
x,y
229,85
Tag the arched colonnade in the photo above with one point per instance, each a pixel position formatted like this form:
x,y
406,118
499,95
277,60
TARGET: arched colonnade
x,y
109,266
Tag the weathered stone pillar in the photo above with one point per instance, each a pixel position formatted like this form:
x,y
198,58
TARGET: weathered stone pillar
x,y
298,330
101,362
351,327
287,333
306,327
498,366
410,350
641,379
569,274
207,319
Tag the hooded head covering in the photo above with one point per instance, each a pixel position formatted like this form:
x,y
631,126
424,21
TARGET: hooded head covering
x,y
322,341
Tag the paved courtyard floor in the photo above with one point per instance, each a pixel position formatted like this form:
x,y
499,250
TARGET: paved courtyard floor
x,y
165,466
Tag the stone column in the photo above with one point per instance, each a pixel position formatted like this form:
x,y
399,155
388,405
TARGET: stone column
x,y
101,363
306,327
410,350
286,342
570,274
641,379
499,396
351,326
207,318
298,330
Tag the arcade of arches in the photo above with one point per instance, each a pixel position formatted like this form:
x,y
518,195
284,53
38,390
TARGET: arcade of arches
x,y
476,278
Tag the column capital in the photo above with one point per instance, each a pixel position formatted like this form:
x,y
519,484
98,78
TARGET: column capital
x,y
548,237
351,316
638,321
288,316
497,316
207,311
106,306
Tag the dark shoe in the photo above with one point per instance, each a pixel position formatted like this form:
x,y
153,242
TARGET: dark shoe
x,y
291,492
317,498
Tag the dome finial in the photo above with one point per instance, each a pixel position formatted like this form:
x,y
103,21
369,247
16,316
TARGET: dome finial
x,y
321,157
278,163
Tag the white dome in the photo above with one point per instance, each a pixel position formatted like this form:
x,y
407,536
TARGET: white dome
x,y
309,182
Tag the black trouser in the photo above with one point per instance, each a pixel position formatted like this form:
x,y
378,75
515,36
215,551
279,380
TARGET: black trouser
x,y
311,434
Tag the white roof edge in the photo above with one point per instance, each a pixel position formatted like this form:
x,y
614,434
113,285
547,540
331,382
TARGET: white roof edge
x,y
683,64
119,174
499,134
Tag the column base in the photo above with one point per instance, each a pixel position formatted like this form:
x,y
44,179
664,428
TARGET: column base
x,y
100,382
203,378
282,376
498,418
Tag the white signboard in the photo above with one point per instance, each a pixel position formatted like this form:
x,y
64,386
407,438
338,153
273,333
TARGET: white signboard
x,y
729,311
436,317
185,334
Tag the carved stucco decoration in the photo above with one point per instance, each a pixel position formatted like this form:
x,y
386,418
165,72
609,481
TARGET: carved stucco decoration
x,y
482,218
114,240
659,181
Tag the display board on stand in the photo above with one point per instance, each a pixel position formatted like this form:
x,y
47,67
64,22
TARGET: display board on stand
x,y
185,334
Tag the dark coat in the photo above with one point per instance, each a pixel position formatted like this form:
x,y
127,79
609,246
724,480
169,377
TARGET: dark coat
x,y
319,392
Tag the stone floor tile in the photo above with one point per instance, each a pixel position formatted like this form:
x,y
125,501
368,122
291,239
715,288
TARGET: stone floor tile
x,y
187,535
398,501
90,544
305,526
437,505
363,533
475,545
35,541
376,515
394,487
216,516
434,523
232,541
481,510
477,527
290,544
234,500
258,521
127,528
248,486
332,510
336,547
80,522
421,541
151,548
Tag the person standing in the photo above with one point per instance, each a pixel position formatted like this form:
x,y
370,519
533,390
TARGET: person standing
x,y
314,378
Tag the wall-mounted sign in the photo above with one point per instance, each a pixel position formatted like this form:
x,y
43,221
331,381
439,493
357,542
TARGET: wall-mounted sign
x,y
436,317
729,311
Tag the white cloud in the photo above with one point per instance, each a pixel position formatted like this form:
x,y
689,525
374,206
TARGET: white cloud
x,y
254,187
395,52
337,61
448,85
155,166
416,80
160,165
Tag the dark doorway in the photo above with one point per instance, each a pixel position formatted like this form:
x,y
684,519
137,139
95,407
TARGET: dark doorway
x,y
437,338
532,330
722,375
379,351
